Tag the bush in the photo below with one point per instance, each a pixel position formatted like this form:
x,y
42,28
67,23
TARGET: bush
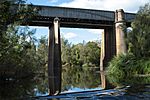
x,y
127,69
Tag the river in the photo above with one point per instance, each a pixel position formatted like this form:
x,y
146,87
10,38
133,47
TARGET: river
x,y
78,84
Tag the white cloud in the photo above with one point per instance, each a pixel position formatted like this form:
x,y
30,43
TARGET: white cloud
x,y
53,1
96,31
94,39
127,5
69,35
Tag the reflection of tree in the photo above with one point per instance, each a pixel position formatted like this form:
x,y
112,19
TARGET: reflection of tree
x,y
130,80
16,89
41,85
141,91
77,76
22,88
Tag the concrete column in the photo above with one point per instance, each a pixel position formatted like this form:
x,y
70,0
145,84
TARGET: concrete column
x,y
108,46
102,56
120,32
54,59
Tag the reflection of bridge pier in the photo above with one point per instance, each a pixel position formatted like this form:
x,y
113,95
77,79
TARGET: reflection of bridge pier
x,y
80,18
105,84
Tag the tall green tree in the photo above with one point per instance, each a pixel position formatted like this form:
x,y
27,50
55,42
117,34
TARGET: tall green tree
x,y
42,55
65,51
92,51
85,53
139,37
17,48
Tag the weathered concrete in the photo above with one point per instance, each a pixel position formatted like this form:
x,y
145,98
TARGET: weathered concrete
x,y
108,47
120,32
102,56
54,59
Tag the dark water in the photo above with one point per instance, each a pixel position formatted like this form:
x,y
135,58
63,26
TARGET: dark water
x,y
77,84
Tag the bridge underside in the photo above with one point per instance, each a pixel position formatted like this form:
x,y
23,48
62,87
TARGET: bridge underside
x,y
72,23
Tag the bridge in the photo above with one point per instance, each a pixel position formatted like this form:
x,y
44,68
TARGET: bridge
x,y
77,18
114,24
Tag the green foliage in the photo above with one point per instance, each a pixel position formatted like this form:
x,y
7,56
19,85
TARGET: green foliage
x,y
119,65
17,48
92,53
80,54
125,69
76,76
139,38
17,55
42,56
65,51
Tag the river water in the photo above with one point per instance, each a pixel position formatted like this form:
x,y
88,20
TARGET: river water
x,y
77,84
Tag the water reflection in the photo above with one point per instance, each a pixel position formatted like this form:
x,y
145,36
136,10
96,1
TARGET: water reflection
x,y
131,81
75,77
141,93
105,84
17,89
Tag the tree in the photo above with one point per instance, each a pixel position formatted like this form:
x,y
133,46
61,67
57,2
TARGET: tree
x,y
93,53
42,55
139,38
65,51
17,48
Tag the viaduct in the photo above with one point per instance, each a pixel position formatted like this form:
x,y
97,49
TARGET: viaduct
x,y
114,24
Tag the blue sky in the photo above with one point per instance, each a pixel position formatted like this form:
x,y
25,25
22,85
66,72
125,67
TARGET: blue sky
x,y
75,35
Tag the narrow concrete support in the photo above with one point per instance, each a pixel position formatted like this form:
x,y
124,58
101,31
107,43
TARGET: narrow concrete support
x,y
108,46
120,32
102,56
54,59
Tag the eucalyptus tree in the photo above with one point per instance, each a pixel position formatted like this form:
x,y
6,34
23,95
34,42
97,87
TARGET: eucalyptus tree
x,y
16,45
65,51
42,55
139,37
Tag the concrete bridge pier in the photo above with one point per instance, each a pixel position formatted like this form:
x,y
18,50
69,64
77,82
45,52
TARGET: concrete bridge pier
x,y
54,58
108,47
113,40
120,25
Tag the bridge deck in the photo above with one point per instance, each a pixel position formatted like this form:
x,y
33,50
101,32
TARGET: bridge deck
x,y
75,17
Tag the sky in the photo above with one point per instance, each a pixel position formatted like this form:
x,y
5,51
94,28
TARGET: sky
x,y
75,35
